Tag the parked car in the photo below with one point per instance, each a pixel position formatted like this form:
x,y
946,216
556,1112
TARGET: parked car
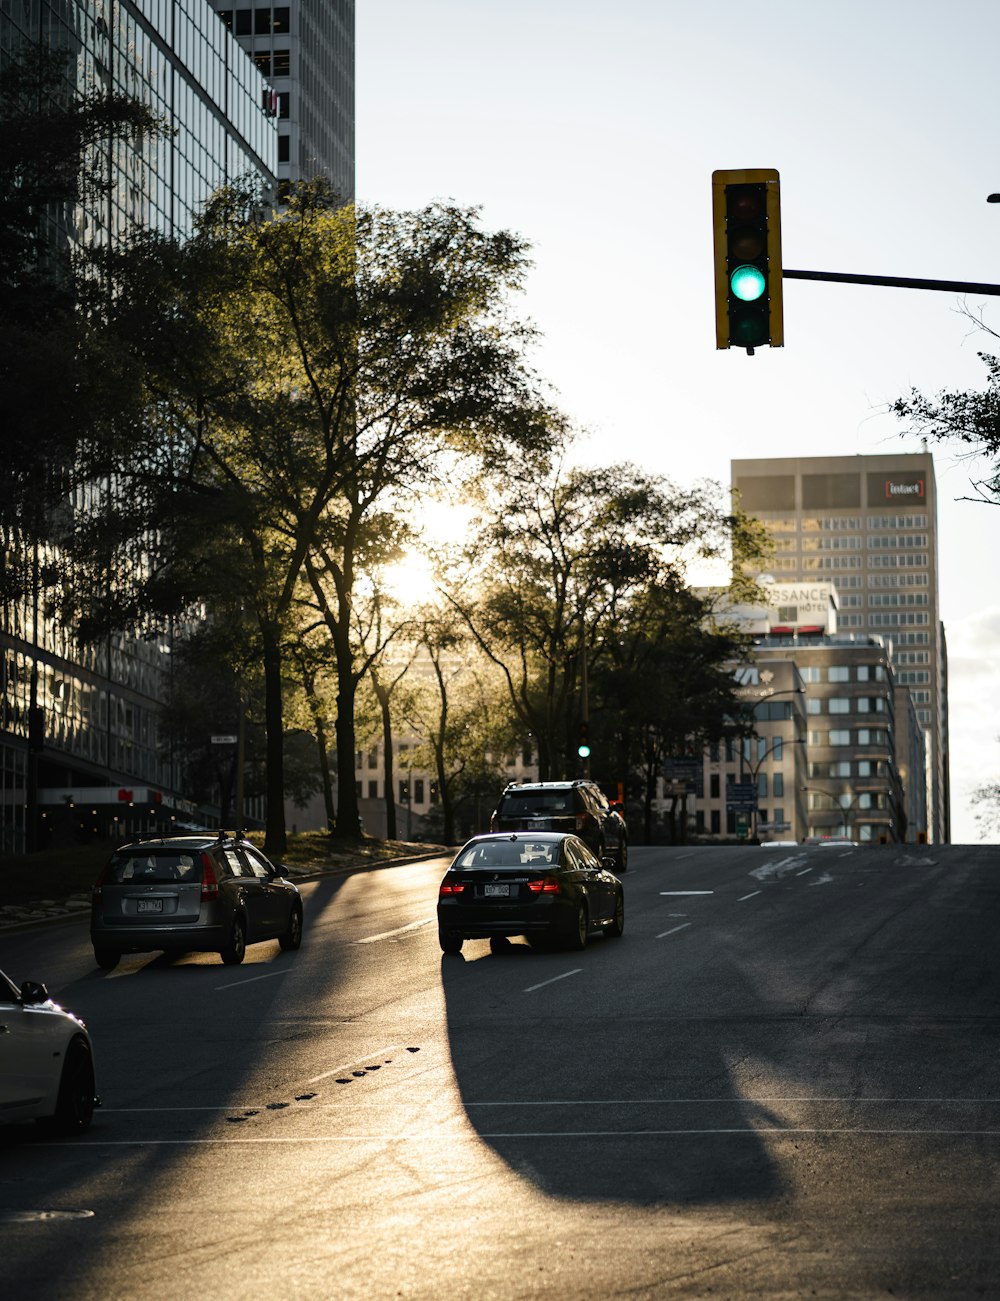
x,y
46,1060
212,892
580,807
545,884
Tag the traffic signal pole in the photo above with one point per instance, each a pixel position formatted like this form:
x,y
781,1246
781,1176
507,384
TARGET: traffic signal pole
x,y
898,282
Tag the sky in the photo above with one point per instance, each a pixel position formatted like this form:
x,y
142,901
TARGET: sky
x,y
592,130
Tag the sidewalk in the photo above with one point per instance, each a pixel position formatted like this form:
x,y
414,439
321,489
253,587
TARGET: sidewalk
x,y
18,917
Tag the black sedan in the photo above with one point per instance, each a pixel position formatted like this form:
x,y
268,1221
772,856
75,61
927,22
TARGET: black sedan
x,y
545,885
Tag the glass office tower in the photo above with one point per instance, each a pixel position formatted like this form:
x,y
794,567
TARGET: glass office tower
x,y
81,724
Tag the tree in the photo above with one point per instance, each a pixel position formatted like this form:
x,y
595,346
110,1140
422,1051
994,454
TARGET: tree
x,y
302,376
558,561
972,419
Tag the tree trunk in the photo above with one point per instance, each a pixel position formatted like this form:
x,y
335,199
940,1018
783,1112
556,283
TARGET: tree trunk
x,y
390,779
347,793
275,840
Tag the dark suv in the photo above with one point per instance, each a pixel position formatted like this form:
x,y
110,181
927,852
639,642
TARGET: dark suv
x,y
580,807
201,892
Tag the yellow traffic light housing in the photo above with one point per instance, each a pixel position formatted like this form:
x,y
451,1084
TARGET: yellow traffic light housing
x,y
746,218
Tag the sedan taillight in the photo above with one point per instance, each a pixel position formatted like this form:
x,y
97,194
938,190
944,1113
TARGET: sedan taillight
x,y
451,887
547,885
209,881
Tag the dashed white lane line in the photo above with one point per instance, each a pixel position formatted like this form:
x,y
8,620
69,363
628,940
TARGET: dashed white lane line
x,y
804,871
575,972
250,979
743,898
674,930
400,930
677,893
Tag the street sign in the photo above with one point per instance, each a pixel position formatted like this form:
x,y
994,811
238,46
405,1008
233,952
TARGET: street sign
x,y
224,740
741,795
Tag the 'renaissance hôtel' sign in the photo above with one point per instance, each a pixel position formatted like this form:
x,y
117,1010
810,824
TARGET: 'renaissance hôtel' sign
x,y
799,605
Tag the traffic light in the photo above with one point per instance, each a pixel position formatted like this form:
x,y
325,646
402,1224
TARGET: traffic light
x,y
746,216
583,741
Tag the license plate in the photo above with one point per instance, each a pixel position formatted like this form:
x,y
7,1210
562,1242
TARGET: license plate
x,y
150,906
492,890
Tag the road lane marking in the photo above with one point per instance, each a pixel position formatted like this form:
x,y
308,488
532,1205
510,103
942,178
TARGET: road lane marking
x,y
675,893
804,871
682,926
347,1065
250,979
575,972
743,898
400,930
450,1136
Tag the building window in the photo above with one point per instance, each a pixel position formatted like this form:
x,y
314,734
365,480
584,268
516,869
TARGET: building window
x,y
373,790
262,21
281,63
357,786
713,786
841,736
262,58
284,104
716,822
778,789
373,758
839,705
418,790
227,17
283,144
838,673
244,22
762,786
404,793
281,21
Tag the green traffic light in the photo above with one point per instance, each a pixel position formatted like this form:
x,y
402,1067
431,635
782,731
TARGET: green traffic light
x,y
747,283
583,751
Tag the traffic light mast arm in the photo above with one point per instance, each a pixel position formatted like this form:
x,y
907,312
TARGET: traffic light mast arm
x,y
898,282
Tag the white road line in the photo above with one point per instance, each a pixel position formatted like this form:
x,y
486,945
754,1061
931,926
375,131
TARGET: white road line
x,y
450,1136
675,893
674,931
676,857
804,871
585,1102
251,979
575,972
347,1065
743,898
400,930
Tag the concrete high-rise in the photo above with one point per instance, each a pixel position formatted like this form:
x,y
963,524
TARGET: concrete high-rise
x,y
868,524
305,49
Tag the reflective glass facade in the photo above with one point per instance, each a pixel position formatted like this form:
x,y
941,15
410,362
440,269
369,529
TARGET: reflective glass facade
x,y
89,716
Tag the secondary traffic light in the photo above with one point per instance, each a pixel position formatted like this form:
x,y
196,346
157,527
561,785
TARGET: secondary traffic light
x,y
583,741
746,216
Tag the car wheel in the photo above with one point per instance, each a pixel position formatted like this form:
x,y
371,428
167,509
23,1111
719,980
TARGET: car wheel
x,y
75,1104
616,925
235,951
576,937
621,858
450,942
106,959
291,938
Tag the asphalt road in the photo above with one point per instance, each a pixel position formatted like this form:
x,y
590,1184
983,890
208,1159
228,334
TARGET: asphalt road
x,y
783,1081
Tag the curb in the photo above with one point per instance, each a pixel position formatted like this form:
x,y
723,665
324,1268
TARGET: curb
x,y
62,913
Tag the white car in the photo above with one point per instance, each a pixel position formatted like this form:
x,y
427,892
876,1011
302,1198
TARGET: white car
x,y
46,1061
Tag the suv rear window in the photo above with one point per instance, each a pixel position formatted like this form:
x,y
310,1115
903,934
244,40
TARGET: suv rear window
x,y
537,802
153,867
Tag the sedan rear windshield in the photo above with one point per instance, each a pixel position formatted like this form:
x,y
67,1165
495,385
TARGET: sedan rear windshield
x,y
537,803
510,853
153,867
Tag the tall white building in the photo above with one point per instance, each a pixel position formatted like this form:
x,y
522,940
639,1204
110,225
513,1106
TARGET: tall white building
x,y
305,49
868,524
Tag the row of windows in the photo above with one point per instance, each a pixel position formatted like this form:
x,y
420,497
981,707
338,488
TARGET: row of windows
x,y
898,598
846,801
898,580
847,705
898,620
849,736
843,673
912,560
850,768
910,676
913,657
259,21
